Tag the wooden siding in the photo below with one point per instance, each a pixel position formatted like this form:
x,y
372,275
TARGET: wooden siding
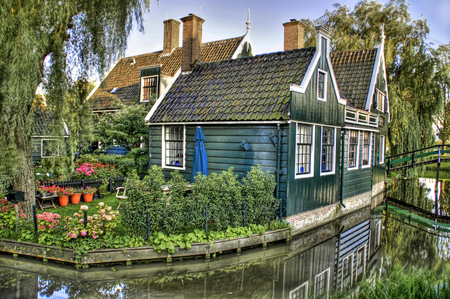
x,y
309,193
356,181
223,147
347,244
304,267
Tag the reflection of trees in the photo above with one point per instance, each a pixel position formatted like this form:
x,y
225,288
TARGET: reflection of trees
x,y
14,284
407,245
410,191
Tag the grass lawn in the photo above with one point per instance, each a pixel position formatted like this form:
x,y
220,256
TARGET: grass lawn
x,y
431,174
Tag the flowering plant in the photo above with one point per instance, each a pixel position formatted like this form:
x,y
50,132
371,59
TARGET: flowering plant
x,y
98,224
85,171
89,190
41,189
69,191
62,191
44,189
47,221
8,214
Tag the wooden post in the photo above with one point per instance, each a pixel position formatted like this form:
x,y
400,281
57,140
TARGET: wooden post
x,y
436,188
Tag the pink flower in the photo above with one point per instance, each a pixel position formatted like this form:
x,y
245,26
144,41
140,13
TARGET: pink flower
x,y
83,233
73,236
81,221
51,226
53,220
42,226
95,236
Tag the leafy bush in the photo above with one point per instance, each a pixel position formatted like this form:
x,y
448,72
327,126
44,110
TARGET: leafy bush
x,y
8,215
144,197
258,189
175,215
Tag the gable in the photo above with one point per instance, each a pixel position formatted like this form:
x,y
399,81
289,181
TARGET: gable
x,y
125,75
246,89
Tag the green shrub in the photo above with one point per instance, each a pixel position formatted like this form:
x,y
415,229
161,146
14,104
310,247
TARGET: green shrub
x,y
144,197
175,216
258,192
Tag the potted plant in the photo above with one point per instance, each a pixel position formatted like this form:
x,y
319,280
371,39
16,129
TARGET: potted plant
x,y
76,196
42,190
88,193
63,196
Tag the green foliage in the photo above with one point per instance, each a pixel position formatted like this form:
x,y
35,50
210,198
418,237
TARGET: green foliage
x,y
175,207
258,191
144,197
8,215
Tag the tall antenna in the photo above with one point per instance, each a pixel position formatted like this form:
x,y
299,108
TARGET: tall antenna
x,y
248,21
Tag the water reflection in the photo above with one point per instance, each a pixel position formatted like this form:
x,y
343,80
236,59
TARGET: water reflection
x,y
332,257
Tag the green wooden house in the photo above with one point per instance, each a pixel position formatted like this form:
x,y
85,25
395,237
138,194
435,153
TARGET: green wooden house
x,y
283,111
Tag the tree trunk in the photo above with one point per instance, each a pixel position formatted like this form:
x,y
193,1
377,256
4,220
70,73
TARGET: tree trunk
x,y
24,180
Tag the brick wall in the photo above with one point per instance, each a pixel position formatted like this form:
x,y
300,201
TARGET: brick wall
x,y
192,41
294,35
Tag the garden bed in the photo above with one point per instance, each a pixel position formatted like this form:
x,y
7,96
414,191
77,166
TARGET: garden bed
x,y
130,255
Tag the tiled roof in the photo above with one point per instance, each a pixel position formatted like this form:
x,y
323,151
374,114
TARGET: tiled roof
x,y
125,75
353,70
42,124
252,88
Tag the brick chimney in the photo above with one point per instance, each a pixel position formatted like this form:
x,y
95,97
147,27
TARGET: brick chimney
x,y
192,41
294,35
171,35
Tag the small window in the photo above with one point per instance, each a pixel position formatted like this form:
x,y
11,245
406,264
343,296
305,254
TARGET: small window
x,y
347,271
382,148
328,141
149,88
173,146
301,292
49,148
304,150
322,86
321,284
381,98
353,149
365,159
360,262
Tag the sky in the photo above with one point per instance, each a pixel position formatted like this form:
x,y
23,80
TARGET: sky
x,y
226,19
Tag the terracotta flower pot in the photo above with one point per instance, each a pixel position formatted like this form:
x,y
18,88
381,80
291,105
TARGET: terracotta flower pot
x,y
63,201
88,197
75,199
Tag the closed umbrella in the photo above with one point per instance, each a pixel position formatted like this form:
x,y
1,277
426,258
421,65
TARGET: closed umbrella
x,y
200,163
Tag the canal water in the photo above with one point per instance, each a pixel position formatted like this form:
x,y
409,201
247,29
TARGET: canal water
x,y
332,257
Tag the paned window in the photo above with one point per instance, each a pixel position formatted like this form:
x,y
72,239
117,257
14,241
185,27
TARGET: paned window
x,y
300,292
304,149
382,148
353,149
321,85
321,284
327,149
49,148
347,270
381,98
174,146
149,87
365,159
360,262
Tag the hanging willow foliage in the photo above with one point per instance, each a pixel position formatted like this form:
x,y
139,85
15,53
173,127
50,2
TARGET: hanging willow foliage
x,y
56,43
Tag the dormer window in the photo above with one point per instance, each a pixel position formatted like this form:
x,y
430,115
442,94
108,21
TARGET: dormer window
x,y
149,83
149,88
322,85
381,99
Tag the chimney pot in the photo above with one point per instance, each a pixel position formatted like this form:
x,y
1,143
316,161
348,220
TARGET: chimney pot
x,y
294,35
192,41
171,35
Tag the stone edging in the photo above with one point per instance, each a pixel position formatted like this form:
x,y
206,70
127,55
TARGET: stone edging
x,y
129,255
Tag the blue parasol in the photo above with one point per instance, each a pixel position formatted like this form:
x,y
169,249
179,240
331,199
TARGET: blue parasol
x,y
200,163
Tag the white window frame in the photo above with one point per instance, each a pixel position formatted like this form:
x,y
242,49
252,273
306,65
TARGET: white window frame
x,y
383,100
357,151
369,150
377,237
382,149
311,165
325,80
163,149
142,87
327,271
364,248
351,259
303,285
373,149
333,162
42,148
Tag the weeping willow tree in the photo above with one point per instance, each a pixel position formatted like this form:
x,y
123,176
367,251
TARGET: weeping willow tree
x,y
415,95
54,43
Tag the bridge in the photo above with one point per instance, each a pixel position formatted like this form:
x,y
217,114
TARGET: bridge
x,y
424,156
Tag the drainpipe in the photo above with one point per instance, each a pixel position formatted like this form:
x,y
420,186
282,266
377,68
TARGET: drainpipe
x,y
342,169
277,192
